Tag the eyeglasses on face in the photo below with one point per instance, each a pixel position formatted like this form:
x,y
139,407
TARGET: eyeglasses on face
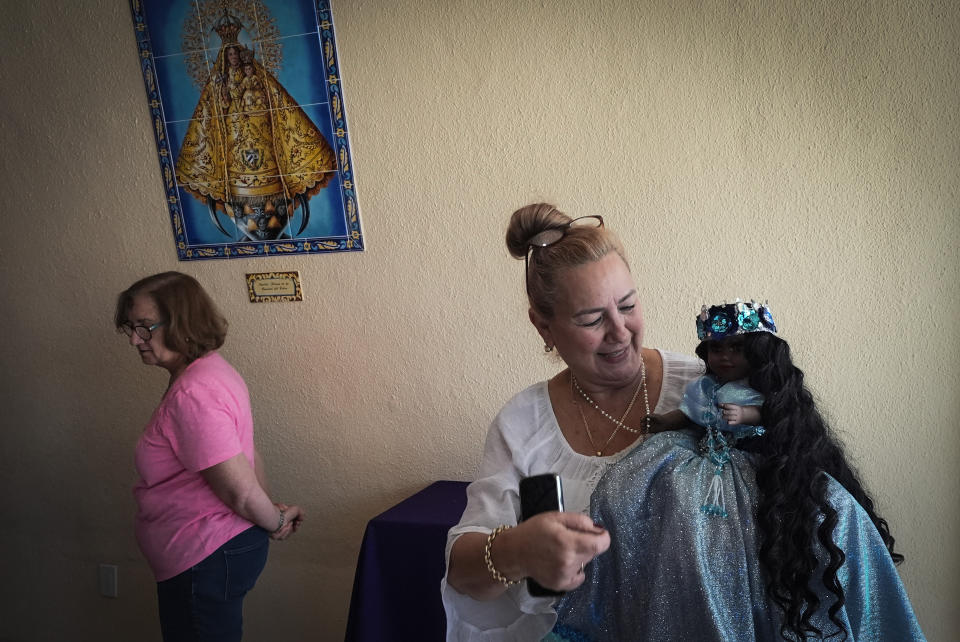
x,y
143,331
552,235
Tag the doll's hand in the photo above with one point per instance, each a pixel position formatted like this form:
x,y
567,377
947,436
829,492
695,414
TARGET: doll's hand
x,y
655,423
732,413
668,421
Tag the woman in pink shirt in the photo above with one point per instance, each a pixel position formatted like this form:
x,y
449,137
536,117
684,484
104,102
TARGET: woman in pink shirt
x,y
203,519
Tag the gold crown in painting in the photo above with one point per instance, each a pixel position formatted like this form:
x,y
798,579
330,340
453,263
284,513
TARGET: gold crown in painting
x,y
227,27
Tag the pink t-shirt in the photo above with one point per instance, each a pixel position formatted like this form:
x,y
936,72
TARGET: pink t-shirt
x,y
203,420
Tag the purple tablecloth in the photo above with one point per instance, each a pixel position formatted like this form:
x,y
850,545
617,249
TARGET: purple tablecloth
x,y
396,590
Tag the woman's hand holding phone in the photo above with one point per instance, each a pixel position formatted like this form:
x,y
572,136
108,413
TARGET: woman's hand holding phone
x,y
548,547
556,546
562,542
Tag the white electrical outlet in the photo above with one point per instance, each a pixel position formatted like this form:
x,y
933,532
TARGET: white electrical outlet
x,y
108,580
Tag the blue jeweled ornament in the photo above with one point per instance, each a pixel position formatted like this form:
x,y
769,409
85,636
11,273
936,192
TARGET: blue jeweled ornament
x,y
768,318
748,319
731,319
720,323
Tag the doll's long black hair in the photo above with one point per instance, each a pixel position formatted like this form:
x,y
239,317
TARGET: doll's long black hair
x,y
793,512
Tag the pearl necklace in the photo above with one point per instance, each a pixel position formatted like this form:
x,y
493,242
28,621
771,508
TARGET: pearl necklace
x,y
618,422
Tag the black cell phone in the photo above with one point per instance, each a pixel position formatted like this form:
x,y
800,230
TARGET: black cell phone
x,y
539,494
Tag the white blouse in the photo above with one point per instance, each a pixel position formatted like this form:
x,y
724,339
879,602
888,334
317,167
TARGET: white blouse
x,y
523,440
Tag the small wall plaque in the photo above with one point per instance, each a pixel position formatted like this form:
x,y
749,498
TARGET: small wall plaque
x,y
274,286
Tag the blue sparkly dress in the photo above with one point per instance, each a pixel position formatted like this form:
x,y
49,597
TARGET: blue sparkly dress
x,y
702,399
677,572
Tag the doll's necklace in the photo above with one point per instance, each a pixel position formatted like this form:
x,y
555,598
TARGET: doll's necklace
x,y
618,422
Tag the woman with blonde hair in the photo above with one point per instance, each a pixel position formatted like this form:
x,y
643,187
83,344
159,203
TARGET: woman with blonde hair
x,y
585,304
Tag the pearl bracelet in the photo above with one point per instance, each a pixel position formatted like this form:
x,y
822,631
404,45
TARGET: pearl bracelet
x,y
497,575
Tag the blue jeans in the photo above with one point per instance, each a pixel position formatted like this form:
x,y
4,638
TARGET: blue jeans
x,y
205,602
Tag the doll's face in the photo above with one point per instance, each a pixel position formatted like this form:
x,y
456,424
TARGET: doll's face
x,y
726,359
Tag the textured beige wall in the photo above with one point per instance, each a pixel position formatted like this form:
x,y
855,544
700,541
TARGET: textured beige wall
x,y
804,152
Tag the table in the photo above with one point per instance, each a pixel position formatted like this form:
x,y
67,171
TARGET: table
x,y
396,589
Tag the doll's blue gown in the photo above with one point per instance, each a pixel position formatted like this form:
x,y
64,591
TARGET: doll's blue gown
x,y
677,570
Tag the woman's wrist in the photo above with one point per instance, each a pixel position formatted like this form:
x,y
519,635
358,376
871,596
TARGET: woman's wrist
x,y
500,570
280,522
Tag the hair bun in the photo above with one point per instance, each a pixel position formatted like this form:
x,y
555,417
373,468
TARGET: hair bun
x,y
529,221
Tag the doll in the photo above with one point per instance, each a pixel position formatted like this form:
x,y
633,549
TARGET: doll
x,y
802,553
721,401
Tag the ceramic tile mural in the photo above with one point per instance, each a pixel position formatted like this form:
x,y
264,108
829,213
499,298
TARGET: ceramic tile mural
x,y
247,111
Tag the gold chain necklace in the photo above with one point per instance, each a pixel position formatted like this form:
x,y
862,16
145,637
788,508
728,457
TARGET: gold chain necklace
x,y
590,437
618,422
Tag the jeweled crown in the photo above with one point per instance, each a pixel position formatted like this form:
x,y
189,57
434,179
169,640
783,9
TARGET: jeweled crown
x,y
227,27
730,319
